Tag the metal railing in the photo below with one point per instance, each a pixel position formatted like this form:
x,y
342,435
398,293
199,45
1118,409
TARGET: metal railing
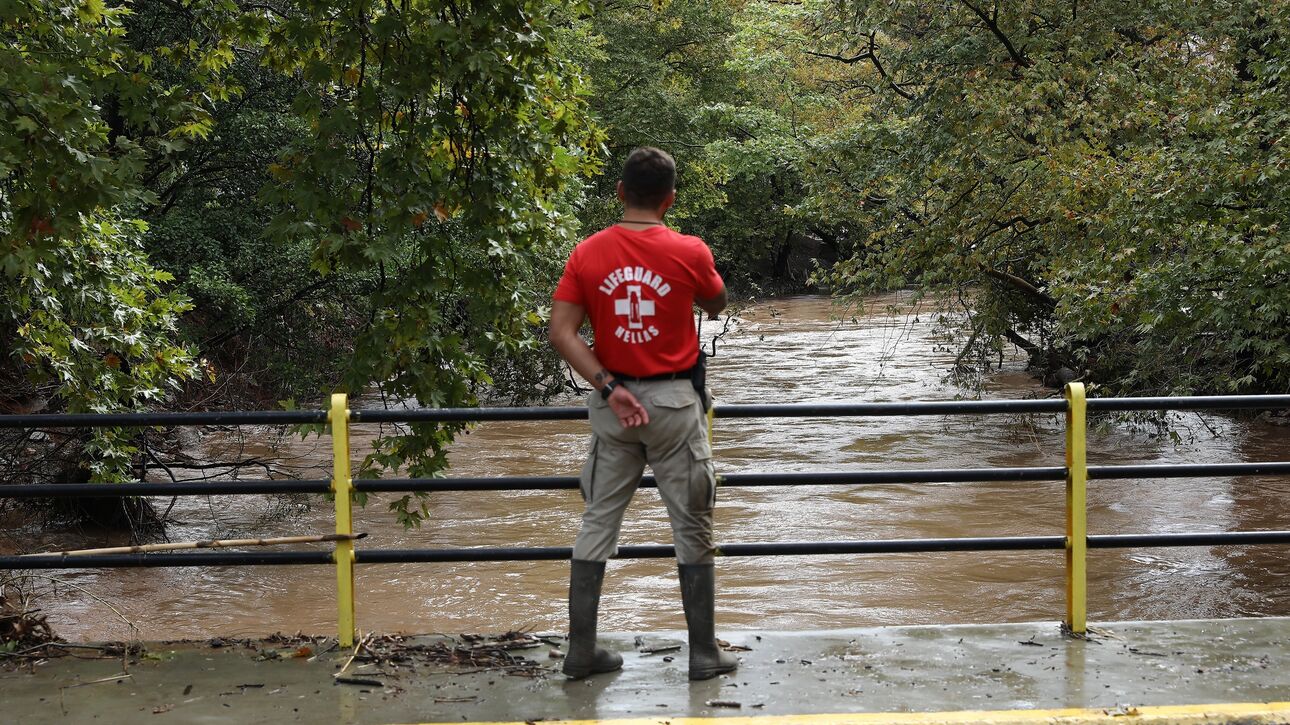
x,y
1076,473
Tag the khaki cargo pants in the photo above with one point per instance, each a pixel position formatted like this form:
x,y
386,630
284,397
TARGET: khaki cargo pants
x,y
675,445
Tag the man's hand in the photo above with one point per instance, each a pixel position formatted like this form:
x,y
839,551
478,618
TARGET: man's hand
x,y
566,317
629,410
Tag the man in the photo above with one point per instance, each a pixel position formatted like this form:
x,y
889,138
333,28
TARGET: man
x,y
638,281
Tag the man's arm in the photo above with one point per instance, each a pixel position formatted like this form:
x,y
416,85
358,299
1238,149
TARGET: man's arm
x,y
715,304
566,318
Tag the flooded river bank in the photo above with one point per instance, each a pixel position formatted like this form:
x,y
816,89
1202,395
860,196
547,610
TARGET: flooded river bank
x,y
790,350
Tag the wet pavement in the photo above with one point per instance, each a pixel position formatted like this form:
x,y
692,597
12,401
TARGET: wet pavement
x,y
1025,666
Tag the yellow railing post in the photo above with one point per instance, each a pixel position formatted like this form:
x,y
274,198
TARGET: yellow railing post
x,y
1076,510
341,487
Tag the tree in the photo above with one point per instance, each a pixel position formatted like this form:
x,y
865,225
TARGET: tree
x,y
684,76
85,322
450,184
1100,180
443,192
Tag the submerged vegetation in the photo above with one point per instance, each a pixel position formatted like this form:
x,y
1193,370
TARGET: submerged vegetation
x,y
215,203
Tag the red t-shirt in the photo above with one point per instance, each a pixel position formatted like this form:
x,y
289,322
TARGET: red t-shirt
x,y
639,287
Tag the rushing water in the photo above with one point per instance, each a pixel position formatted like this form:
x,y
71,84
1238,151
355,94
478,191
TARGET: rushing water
x,y
788,350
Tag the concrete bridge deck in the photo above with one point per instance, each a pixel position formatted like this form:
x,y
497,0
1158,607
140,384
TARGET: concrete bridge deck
x,y
1134,672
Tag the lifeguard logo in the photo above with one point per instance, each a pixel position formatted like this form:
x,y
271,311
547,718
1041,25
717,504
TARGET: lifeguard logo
x,y
634,301
634,307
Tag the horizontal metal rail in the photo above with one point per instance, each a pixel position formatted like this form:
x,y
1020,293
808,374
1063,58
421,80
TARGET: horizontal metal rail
x,y
201,558
935,407
186,488
465,415
645,551
1223,538
1191,470
554,483
663,551
129,420
743,480
1192,402
834,410
791,410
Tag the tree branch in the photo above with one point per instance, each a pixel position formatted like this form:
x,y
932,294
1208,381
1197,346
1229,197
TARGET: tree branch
x,y
870,55
992,23
1020,284
849,61
230,334
1031,348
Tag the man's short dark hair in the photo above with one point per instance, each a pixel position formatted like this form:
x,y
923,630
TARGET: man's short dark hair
x,y
648,177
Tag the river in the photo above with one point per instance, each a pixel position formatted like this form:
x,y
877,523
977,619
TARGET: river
x,y
784,350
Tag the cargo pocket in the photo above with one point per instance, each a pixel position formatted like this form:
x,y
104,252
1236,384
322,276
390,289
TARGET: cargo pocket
x,y
676,399
703,479
587,479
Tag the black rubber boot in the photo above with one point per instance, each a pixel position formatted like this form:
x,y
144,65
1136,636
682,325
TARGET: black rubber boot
x,y
584,657
698,593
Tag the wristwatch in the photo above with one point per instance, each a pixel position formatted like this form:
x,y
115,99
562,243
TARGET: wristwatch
x,y
608,389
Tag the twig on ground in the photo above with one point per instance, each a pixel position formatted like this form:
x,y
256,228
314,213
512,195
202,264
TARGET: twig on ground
x,y
362,645
113,678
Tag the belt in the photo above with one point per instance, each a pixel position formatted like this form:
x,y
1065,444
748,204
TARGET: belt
x,y
687,374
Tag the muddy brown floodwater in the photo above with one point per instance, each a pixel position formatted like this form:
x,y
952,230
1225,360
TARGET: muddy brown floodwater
x,y
785,350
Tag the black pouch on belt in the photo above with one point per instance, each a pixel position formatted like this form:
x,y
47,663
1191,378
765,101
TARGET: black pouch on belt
x,y
699,379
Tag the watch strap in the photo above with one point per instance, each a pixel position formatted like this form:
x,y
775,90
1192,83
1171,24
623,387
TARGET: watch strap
x,y
608,389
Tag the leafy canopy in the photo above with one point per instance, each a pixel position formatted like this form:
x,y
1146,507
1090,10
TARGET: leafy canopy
x,y
1103,180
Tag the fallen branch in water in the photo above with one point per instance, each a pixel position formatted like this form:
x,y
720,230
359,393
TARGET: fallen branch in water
x,y
211,544
56,581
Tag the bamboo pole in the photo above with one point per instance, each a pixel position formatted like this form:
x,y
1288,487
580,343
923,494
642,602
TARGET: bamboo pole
x,y
210,544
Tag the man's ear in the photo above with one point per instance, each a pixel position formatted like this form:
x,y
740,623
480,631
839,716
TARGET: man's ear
x,y
667,202
622,195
